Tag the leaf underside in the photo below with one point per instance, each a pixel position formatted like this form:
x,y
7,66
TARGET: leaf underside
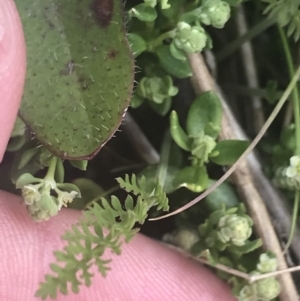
x,y
79,76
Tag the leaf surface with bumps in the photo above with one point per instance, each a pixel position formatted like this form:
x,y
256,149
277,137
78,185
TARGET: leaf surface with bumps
x,y
79,74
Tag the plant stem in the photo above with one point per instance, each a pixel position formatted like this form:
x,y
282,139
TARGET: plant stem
x,y
49,178
164,158
295,97
295,92
158,41
294,220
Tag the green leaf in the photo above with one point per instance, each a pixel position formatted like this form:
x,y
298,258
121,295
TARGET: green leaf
x,y
143,12
194,178
26,179
151,173
223,195
138,44
136,101
248,247
205,114
162,108
173,11
288,137
16,143
89,191
68,187
27,155
80,164
233,2
178,134
80,73
173,66
177,53
229,151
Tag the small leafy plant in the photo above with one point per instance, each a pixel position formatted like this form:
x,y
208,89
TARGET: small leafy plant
x,y
79,85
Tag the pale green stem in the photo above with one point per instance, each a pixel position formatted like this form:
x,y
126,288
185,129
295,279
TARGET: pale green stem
x,y
49,178
158,41
295,92
164,159
294,220
295,97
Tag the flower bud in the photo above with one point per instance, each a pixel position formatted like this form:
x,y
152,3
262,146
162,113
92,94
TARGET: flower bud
x,y
31,194
64,198
189,38
45,202
267,263
215,13
185,239
266,289
293,171
202,146
234,228
44,208
157,89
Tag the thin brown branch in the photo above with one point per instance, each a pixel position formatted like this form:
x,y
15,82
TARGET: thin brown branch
x,y
221,267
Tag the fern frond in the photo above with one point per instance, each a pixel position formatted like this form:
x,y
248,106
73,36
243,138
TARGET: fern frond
x,y
287,13
103,226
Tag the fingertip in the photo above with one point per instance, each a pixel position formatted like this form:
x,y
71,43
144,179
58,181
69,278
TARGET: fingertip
x,y
12,69
146,269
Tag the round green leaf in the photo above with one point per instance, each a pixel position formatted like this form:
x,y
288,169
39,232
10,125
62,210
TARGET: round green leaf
x,y
144,12
175,67
223,195
194,178
229,151
26,179
178,134
138,44
205,114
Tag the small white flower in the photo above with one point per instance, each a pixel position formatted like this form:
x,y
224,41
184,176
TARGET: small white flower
x,y
31,194
66,197
293,171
